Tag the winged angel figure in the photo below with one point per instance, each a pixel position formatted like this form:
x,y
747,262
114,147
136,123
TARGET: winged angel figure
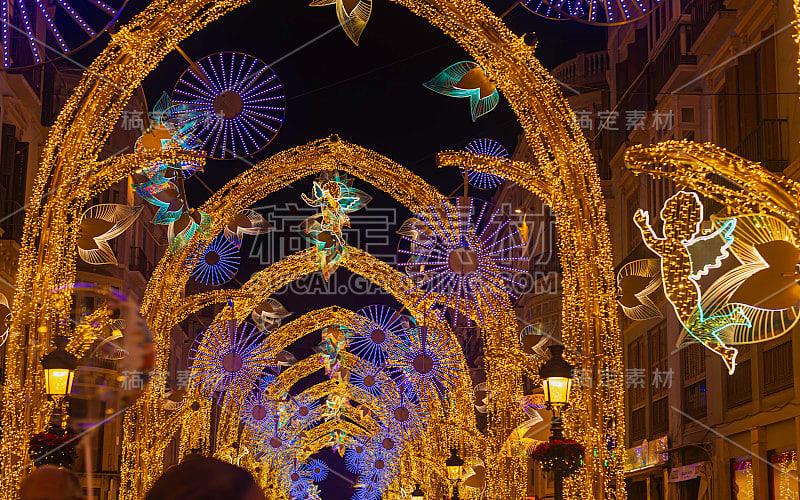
x,y
334,195
753,293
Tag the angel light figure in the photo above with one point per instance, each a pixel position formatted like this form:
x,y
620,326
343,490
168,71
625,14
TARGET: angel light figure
x,y
686,256
334,195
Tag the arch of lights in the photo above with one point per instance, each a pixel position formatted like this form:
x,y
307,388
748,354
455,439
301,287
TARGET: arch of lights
x,y
564,163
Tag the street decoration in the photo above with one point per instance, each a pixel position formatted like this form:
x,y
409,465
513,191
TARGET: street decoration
x,y
334,195
731,280
353,15
593,12
487,147
468,258
72,25
5,319
637,281
268,315
100,224
217,263
275,445
564,456
227,362
400,414
367,381
375,332
304,411
233,104
428,360
249,222
467,79
258,410
318,469
357,454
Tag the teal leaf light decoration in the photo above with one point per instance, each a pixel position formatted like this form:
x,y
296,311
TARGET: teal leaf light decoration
x,y
466,79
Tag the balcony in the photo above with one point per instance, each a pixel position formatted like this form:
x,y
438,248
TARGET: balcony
x,y
710,21
768,145
140,263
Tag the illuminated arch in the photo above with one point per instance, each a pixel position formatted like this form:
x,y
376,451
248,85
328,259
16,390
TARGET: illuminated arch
x,y
561,151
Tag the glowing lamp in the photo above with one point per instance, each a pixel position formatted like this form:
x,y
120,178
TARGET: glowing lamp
x,y
59,369
556,375
417,494
454,465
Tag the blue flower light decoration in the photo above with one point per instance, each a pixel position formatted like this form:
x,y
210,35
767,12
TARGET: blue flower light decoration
x,y
318,470
357,454
304,411
275,445
367,381
374,332
429,361
228,361
218,263
257,410
487,147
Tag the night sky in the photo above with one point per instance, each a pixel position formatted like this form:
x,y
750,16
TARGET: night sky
x,y
371,95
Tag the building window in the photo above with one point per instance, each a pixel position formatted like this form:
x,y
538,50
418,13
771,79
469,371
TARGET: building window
x,y
660,416
739,386
693,375
637,390
778,372
638,425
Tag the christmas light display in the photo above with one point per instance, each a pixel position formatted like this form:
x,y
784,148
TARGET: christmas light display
x,y
228,361
467,79
352,15
367,381
218,263
468,256
594,12
318,469
637,281
428,360
375,332
246,222
559,149
403,416
102,223
304,411
257,410
72,25
275,445
357,454
232,103
488,147
334,195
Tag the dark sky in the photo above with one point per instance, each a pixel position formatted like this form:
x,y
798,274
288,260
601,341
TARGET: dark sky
x,y
371,95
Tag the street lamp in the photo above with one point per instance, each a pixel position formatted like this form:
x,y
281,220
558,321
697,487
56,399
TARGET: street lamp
x,y
556,375
59,369
455,466
417,494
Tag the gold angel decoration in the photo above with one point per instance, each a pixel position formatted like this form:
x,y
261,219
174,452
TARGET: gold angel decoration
x,y
353,15
754,294
637,283
335,196
100,224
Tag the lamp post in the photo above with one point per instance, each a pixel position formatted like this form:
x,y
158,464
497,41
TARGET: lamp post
x,y
455,466
417,494
59,372
556,375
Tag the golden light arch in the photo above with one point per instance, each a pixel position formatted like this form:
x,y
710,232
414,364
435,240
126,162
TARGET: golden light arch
x,y
562,154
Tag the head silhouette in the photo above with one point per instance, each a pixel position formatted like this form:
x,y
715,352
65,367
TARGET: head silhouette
x,y
201,478
681,215
51,483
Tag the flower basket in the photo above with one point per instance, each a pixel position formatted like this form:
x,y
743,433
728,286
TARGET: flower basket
x,y
564,456
55,446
